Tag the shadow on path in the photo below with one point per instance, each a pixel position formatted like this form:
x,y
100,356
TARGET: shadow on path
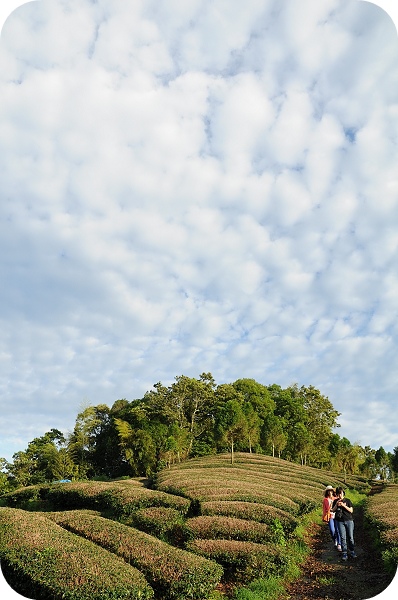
x,y
326,577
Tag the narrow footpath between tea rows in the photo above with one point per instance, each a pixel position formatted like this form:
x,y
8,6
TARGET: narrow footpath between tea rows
x,y
326,577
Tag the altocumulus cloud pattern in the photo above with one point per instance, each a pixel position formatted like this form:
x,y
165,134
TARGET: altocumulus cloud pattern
x,y
197,186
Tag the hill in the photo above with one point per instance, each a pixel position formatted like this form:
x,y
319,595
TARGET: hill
x,y
203,530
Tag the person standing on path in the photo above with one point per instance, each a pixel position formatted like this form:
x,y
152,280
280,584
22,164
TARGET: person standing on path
x,y
328,516
343,514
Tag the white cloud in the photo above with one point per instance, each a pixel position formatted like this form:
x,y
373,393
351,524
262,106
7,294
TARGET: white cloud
x,y
190,188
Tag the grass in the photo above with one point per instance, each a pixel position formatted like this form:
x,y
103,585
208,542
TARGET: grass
x,y
325,580
270,588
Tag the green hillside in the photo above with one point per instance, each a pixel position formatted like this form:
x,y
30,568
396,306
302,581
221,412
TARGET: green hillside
x,y
205,528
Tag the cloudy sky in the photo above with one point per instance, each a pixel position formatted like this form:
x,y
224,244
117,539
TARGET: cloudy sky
x,y
207,185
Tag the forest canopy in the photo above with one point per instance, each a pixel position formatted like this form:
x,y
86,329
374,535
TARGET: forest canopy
x,y
190,418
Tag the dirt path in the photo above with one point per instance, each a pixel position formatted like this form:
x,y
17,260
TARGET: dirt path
x,y
326,577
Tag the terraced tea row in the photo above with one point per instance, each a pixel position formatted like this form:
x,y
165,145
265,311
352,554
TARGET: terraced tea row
x,y
261,480
172,572
242,560
41,559
252,511
382,513
122,498
278,468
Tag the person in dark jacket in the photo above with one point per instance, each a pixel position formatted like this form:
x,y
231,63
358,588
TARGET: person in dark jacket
x,y
343,515
328,516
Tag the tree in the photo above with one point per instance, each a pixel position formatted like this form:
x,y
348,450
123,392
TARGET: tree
x,y
368,466
4,483
276,436
21,469
394,462
383,463
253,425
187,403
177,444
289,410
231,425
257,395
301,442
62,465
348,457
89,423
320,420
196,396
138,447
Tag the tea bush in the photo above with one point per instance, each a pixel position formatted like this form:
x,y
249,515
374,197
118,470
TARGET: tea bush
x,y
172,572
261,513
252,478
242,561
257,468
228,528
164,523
23,496
41,560
382,514
122,498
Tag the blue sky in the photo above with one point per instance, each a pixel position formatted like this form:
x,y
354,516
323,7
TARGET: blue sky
x,y
191,187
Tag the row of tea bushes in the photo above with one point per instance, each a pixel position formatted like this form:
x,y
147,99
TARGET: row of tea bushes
x,y
167,524
21,497
252,478
382,514
173,573
39,559
195,486
122,498
279,468
242,561
262,513
228,528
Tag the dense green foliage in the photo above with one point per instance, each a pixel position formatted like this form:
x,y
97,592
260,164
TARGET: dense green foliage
x,y
165,523
242,561
172,572
382,515
193,418
229,528
122,498
41,560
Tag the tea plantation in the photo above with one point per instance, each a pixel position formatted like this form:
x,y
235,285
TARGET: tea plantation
x,y
202,528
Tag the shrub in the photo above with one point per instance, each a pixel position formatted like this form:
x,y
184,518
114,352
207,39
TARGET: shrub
x,y
23,496
381,512
228,528
173,573
242,561
164,523
253,511
41,560
127,499
122,497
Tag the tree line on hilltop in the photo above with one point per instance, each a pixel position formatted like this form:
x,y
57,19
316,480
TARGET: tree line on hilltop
x,y
193,418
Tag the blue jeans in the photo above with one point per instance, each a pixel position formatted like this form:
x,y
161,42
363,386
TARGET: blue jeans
x,y
346,530
334,531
